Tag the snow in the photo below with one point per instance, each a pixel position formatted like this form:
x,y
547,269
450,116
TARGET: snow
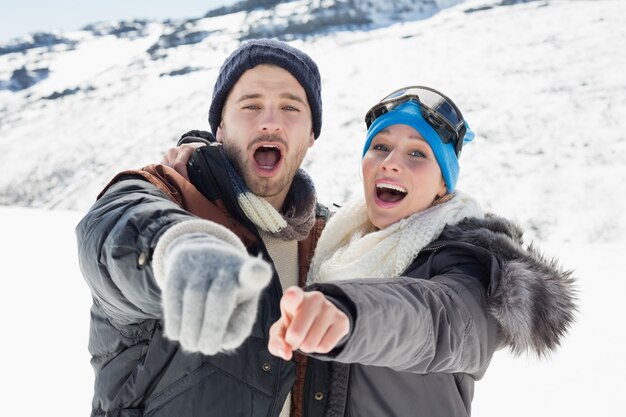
x,y
540,83
87,62
44,313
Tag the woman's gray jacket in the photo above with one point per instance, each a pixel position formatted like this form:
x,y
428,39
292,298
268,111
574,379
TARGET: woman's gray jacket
x,y
419,342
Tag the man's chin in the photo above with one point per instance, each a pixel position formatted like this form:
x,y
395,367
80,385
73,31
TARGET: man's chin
x,y
265,187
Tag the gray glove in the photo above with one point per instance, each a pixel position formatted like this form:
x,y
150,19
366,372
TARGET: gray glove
x,y
210,287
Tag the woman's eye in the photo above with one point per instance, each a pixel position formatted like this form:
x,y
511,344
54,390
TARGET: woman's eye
x,y
417,154
380,147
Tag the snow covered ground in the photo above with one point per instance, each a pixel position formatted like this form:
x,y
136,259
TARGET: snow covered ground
x,y
44,315
541,83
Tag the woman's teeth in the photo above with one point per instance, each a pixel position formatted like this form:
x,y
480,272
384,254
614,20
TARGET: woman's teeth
x,y
390,193
392,187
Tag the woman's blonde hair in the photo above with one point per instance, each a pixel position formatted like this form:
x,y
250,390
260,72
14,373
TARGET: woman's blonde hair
x,y
443,199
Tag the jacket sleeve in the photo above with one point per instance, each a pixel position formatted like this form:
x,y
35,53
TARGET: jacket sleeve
x,y
115,243
417,325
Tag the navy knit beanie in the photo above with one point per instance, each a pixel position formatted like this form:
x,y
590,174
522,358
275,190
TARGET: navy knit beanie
x,y
268,51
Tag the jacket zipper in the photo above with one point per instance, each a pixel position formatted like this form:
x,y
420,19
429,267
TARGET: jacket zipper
x,y
305,390
277,296
277,293
346,410
433,248
276,387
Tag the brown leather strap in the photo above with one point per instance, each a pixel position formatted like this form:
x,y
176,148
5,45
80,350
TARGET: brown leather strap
x,y
305,254
178,189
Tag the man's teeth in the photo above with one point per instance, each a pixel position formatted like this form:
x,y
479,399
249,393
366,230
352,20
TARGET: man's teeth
x,y
392,187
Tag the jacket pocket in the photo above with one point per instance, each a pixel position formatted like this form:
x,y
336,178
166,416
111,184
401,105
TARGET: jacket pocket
x,y
120,412
178,387
131,413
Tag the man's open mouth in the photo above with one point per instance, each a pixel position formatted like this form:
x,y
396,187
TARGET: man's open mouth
x,y
267,157
390,193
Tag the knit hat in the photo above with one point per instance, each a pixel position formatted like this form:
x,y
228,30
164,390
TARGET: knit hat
x,y
268,51
409,114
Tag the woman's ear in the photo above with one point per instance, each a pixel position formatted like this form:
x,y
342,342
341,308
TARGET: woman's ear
x,y
443,189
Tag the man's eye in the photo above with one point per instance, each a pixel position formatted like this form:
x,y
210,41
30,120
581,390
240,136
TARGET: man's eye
x,y
290,108
251,107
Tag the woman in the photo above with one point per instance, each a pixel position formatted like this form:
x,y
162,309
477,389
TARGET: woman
x,y
414,287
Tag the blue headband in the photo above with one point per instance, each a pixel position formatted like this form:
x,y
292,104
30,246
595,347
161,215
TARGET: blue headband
x,y
409,114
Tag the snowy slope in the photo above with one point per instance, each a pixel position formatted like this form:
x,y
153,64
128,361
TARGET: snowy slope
x,y
539,82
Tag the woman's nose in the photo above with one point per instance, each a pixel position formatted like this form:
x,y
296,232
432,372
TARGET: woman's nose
x,y
391,162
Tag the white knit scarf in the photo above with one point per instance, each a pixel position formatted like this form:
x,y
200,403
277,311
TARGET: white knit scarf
x,y
298,216
351,247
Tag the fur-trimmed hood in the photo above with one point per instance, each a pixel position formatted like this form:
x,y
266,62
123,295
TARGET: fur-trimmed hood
x,y
532,298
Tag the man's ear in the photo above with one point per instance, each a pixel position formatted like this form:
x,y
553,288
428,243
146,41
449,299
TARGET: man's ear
x,y
312,139
219,135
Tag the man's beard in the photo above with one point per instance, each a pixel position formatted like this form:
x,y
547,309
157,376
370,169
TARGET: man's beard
x,y
261,186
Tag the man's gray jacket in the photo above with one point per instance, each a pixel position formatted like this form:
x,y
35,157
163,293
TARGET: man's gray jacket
x,y
138,372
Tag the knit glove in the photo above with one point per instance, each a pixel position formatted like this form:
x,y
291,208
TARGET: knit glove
x,y
210,286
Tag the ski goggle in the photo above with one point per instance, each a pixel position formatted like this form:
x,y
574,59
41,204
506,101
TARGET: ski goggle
x,y
438,110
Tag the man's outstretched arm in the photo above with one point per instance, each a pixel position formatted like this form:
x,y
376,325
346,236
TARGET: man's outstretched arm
x,y
145,257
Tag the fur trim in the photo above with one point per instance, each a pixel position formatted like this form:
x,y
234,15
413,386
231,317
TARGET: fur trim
x,y
534,299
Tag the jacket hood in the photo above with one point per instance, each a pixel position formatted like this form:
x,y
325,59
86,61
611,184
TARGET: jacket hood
x,y
532,298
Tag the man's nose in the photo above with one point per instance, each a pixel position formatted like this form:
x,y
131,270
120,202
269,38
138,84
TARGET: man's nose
x,y
270,122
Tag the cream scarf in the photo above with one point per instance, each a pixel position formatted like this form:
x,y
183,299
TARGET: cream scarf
x,y
298,216
351,247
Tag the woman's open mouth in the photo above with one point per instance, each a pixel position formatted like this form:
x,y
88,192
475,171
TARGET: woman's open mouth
x,y
389,195
268,158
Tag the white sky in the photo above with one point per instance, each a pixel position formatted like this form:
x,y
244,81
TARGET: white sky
x,y
21,17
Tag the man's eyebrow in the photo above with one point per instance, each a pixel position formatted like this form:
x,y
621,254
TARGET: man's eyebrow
x,y
248,97
288,96
293,97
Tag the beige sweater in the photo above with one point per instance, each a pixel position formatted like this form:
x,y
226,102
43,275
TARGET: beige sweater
x,y
284,254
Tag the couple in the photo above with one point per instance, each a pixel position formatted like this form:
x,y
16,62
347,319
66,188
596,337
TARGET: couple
x,y
208,300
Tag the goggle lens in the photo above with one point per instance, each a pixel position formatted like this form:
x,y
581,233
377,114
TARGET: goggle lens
x,y
438,111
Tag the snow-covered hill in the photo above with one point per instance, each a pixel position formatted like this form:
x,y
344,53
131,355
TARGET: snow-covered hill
x,y
539,81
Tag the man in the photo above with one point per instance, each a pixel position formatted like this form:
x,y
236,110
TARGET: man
x,y
187,276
